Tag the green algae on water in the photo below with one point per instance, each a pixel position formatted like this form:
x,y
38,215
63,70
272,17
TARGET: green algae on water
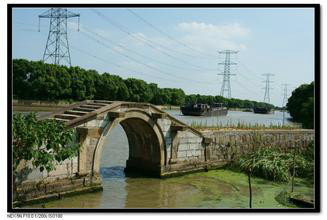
x,y
220,188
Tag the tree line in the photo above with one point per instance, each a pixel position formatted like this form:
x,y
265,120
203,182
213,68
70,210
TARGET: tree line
x,y
301,105
37,80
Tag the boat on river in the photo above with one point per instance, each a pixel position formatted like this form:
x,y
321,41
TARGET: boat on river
x,y
199,109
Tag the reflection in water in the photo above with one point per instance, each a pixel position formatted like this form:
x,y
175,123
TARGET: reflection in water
x,y
112,164
112,172
213,189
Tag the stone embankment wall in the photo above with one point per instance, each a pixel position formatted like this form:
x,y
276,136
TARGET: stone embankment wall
x,y
187,152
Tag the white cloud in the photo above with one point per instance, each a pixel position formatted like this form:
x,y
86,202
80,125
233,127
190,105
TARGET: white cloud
x,y
225,31
206,36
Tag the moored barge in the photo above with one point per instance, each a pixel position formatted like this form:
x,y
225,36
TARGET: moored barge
x,y
200,109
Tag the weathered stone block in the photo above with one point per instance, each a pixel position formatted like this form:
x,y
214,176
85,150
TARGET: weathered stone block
x,y
156,116
178,128
207,140
183,147
181,154
165,128
89,131
116,114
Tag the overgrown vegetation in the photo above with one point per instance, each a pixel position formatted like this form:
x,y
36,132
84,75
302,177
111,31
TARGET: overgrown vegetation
x,y
272,164
301,105
43,143
41,81
240,125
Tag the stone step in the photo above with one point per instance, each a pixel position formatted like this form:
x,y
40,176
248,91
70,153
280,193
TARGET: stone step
x,y
90,106
97,104
66,116
87,110
103,102
60,119
74,112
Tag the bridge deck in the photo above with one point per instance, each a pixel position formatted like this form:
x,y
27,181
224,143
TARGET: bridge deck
x,y
85,111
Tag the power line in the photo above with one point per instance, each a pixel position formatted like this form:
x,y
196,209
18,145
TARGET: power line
x,y
227,73
248,70
149,42
251,80
168,36
144,64
57,47
106,61
117,65
248,79
135,52
267,88
246,88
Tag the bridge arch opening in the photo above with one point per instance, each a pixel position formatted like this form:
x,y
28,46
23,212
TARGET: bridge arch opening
x,y
145,144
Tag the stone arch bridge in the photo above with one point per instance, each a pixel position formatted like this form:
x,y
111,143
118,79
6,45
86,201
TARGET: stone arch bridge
x,y
159,145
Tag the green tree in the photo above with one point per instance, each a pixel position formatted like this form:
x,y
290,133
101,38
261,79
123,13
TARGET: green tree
x,y
301,105
42,81
139,90
44,143
191,99
21,79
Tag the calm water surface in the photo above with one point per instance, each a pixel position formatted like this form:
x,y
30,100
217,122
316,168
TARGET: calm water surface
x,y
213,189
235,117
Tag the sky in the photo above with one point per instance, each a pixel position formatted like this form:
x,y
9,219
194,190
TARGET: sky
x,y
178,47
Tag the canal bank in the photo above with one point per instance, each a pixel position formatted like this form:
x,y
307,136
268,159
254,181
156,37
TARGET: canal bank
x,y
189,152
224,148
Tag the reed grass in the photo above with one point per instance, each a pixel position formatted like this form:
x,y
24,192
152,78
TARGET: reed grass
x,y
240,125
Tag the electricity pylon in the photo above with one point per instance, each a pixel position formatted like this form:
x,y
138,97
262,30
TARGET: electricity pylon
x,y
57,47
227,73
285,95
267,88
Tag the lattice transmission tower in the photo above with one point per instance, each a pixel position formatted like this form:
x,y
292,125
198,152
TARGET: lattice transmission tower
x,y
226,88
57,47
267,88
285,95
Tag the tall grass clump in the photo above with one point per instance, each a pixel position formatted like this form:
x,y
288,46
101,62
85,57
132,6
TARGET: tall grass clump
x,y
240,125
272,164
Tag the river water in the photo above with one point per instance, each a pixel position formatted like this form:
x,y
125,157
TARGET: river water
x,y
213,189
234,118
